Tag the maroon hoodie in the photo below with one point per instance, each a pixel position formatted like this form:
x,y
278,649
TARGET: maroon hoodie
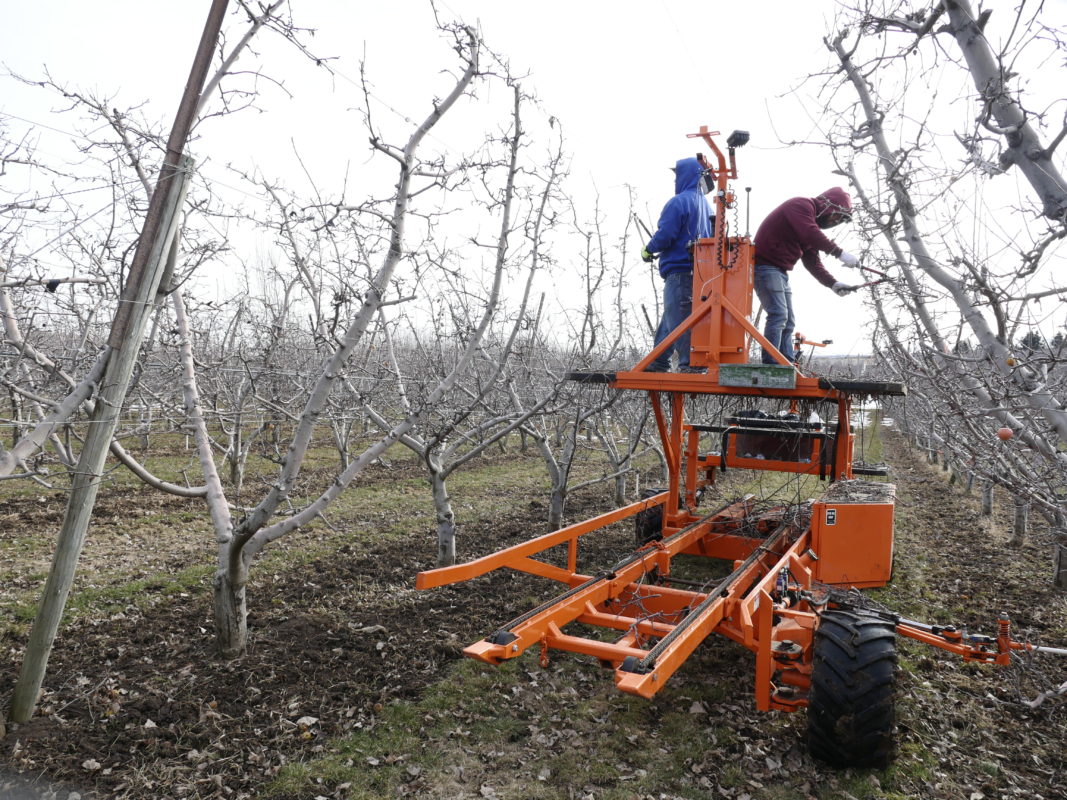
x,y
791,232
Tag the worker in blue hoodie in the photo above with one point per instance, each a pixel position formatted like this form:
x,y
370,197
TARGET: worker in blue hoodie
x,y
685,218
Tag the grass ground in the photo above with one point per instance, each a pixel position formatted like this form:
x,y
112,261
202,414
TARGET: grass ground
x,y
339,636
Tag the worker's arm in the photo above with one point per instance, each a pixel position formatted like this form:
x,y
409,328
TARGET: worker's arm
x,y
811,262
668,230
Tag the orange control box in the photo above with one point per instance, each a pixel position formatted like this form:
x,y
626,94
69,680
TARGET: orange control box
x,y
852,534
722,266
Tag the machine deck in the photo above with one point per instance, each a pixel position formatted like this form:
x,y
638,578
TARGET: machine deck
x,y
782,567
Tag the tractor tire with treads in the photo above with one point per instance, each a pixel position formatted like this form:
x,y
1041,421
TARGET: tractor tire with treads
x,y
648,524
851,714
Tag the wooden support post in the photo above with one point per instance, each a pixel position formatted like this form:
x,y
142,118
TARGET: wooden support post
x,y
138,300
85,480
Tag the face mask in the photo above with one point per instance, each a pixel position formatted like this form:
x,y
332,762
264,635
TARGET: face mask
x,y
830,219
707,182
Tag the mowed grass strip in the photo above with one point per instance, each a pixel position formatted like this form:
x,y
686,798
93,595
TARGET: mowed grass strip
x,y
143,544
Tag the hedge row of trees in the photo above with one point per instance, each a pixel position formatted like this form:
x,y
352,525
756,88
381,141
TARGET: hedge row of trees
x,y
409,315
970,270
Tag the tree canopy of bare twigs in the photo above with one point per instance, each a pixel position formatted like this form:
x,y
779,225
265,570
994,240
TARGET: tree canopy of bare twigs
x,y
966,210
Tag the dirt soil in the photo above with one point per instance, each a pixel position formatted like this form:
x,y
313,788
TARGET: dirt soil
x,y
136,704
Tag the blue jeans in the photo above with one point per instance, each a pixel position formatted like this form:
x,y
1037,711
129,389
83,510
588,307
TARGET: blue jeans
x,y
772,289
677,305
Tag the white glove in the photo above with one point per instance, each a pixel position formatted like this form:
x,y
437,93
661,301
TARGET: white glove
x,y
842,289
849,260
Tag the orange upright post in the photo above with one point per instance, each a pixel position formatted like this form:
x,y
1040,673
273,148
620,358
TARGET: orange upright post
x,y
651,618
722,265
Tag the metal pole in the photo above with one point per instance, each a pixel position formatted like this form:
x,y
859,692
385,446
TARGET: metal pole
x,y
748,210
127,330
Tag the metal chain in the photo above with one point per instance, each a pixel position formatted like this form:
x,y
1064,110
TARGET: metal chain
x,y
728,263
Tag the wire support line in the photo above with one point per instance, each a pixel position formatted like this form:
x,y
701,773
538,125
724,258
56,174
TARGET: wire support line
x,y
71,134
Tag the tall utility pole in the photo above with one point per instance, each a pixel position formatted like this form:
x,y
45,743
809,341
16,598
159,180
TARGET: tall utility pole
x,y
138,301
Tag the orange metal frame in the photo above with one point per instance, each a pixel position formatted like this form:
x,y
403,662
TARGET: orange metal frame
x,y
771,598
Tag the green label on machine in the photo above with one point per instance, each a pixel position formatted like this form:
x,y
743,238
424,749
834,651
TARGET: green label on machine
x,y
767,376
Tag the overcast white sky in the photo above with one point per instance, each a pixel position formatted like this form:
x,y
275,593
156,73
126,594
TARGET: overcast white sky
x,y
628,81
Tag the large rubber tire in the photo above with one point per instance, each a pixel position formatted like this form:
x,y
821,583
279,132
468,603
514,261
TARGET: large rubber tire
x,y
648,524
851,714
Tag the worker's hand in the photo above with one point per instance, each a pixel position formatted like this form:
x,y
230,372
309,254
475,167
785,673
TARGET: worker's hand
x,y
849,260
841,289
646,256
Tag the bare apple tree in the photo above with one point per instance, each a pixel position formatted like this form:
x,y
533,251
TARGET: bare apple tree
x,y
379,228
598,335
57,297
477,413
961,274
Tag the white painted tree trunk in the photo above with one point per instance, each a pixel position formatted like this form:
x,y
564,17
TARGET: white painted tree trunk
x,y
446,517
230,612
620,486
987,499
228,586
557,503
1059,557
557,497
1022,522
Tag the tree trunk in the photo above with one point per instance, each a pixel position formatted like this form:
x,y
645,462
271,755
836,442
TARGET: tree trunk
x,y
1059,557
237,470
145,427
620,489
664,469
1022,519
231,615
987,499
342,438
446,519
556,503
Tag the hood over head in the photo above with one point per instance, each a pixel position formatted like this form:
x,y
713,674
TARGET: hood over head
x,y
836,199
687,174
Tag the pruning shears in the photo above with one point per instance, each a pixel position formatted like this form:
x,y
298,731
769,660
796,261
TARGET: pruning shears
x,y
648,233
642,225
882,279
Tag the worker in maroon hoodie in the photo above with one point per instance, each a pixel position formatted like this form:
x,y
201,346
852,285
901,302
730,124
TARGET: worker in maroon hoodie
x,y
792,232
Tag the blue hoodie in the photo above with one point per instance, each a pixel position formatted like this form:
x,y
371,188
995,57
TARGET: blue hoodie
x,y
685,217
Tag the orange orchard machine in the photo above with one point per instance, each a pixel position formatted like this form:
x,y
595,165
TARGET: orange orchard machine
x,y
786,595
